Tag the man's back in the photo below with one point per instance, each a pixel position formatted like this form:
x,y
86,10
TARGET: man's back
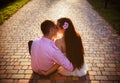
x,y
41,54
44,54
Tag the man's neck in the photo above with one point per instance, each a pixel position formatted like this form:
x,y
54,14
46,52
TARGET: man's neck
x,y
48,36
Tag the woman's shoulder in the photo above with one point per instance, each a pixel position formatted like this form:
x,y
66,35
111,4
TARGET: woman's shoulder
x,y
59,40
59,43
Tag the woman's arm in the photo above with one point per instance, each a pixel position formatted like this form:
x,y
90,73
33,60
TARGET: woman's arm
x,y
52,69
58,43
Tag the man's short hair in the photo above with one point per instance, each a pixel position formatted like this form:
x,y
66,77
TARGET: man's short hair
x,y
46,25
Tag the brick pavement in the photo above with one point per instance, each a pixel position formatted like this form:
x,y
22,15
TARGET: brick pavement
x,y
100,41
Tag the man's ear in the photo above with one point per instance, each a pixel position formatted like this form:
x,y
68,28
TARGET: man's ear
x,y
51,30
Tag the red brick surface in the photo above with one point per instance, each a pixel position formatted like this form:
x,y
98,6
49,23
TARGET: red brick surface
x,y
101,42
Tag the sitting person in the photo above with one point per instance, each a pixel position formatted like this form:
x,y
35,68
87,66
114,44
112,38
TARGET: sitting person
x,y
71,45
44,53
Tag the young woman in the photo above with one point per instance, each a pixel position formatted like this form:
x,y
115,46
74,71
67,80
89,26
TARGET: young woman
x,y
71,45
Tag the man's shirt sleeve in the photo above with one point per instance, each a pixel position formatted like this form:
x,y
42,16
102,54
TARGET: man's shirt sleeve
x,y
58,57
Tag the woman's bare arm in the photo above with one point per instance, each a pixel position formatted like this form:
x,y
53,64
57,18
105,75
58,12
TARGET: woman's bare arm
x,y
58,43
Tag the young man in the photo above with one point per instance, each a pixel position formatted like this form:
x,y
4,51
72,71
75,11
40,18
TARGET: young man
x,y
44,53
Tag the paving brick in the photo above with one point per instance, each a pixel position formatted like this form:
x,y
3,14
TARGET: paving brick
x,y
101,78
6,81
16,56
12,63
100,65
75,78
2,71
92,77
105,73
114,77
43,81
89,69
69,78
117,69
29,67
60,77
2,60
23,60
92,72
99,73
15,81
3,67
9,76
25,63
11,71
18,76
28,76
110,69
17,67
60,81
21,71
89,65
71,81
95,82
2,63
9,67
29,71
6,56
11,60
16,63
95,68
24,67
106,81
111,65
105,65
118,73
23,81
118,65
113,73
3,75
32,81
9,63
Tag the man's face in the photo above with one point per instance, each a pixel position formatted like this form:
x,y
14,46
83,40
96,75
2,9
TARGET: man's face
x,y
53,31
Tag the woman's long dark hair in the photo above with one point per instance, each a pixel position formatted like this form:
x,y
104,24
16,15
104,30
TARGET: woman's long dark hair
x,y
73,42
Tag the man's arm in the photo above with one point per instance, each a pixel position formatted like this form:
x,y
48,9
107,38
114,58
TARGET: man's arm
x,y
51,70
59,58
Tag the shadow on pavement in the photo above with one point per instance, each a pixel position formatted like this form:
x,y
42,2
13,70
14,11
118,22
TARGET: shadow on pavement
x,y
57,78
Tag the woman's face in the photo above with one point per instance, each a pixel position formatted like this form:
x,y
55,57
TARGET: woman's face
x,y
60,30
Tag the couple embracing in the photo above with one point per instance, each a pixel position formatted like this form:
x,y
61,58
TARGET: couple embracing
x,y
65,54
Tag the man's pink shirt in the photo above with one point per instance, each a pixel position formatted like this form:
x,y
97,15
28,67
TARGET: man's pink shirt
x,y
44,54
